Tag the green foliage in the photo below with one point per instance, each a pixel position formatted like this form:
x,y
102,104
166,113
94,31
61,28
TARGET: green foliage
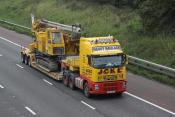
x,y
116,3
157,15
159,49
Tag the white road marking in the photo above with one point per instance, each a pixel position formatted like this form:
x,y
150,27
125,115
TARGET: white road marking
x,y
10,42
0,54
150,103
47,81
88,105
1,87
166,110
19,66
30,110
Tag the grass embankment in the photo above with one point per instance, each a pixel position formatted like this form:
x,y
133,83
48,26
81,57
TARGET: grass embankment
x,y
97,20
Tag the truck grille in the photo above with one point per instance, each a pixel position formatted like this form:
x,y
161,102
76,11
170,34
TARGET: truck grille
x,y
110,86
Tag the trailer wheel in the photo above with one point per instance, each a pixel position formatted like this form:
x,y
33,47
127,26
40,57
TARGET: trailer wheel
x,y
86,90
71,84
26,60
65,80
29,61
22,58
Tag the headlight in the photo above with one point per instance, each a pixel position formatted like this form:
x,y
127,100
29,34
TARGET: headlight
x,y
124,84
97,87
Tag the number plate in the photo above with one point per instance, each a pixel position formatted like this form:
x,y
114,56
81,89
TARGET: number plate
x,y
110,92
110,78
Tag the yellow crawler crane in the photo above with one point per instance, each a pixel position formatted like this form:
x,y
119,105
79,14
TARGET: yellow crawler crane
x,y
95,65
52,41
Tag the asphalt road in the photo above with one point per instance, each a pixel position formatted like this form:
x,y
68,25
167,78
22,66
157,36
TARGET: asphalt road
x,y
25,92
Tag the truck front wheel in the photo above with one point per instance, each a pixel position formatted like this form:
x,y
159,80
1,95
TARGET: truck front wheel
x,y
119,94
86,90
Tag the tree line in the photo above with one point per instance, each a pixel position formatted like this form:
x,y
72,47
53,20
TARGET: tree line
x,y
157,15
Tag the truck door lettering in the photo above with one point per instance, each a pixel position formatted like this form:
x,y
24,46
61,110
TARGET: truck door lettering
x,y
112,70
106,71
100,72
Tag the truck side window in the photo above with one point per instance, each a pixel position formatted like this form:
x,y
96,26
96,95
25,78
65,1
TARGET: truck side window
x,y
56,37
49,40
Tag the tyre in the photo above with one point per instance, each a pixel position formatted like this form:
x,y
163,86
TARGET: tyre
x,y
86,90
29,61
22,58
26,60
71,84
120,94
65,80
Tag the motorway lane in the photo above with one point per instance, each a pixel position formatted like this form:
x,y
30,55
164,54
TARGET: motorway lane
x,y
105,106
10,106
50,101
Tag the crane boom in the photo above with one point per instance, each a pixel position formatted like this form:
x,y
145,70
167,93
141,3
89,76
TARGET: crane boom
x,y
72,28
76,28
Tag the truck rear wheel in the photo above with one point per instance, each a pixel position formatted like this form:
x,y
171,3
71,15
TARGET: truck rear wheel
x,y
71,84
65,80
86,90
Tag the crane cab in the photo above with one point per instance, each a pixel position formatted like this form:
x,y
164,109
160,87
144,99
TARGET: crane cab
x,y
49,41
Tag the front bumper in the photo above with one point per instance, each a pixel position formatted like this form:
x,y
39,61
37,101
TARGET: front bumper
x,y
108,87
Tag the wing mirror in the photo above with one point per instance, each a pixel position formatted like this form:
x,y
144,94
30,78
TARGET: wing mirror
x,y
125,59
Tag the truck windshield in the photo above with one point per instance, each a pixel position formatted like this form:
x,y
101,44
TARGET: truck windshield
x,y
107,61
56,36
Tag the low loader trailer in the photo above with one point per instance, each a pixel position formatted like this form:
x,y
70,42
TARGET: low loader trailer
x,y
95,65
